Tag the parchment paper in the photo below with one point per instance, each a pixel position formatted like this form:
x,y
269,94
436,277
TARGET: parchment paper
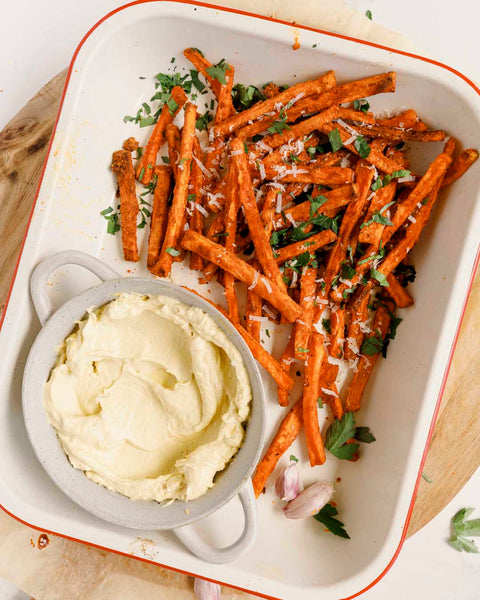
x,y
51,568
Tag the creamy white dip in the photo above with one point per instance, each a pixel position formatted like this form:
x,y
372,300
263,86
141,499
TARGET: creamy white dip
x,y
149,398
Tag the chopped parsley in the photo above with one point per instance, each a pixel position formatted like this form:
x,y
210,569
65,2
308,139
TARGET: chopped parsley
x,y
369,15
379,277
280,125
362,147
335,139
363,434
113,219
361,104
407,273
218,71
326,516
327,325
293,458
383,181
427,478
172,251
372,345
245,96
461,528
348,272
391,333
203,121
319,403
379,217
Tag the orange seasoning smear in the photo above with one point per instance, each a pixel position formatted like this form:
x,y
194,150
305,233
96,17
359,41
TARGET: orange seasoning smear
x,y
296,38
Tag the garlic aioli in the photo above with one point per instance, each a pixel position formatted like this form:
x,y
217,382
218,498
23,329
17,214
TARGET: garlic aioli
x,y
149,398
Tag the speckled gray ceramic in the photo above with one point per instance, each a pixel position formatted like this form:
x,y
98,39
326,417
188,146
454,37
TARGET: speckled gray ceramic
x,y
95,498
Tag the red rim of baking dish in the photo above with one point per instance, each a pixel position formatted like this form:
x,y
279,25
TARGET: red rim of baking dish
x,y
452,349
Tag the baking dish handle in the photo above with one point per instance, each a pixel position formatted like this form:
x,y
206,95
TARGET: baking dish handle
x,y
192,541
39,278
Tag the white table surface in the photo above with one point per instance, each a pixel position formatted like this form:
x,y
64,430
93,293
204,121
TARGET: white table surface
x,y
40,46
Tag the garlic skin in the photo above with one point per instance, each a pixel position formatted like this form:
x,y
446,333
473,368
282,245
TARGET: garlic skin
x,y
288,484
310,501
206,590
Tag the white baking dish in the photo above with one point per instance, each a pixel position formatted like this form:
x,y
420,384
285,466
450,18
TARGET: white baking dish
x,y
290,559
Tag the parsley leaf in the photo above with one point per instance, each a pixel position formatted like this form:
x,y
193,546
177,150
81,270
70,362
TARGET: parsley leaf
x,y
293,458
335,139
244,97
427,478
407,273
327,325
113,220
218,71
172,251
146,121
279,125
369,15
316,203
338,433
380,277
202,122
361,104
196,80
348,272
372,345
392,332
326,517
461,528
363,434
362,147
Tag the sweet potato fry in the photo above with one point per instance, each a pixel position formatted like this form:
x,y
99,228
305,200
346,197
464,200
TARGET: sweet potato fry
x,y
460,165
357,324
180,195
268,210
365,365
328,392
252,215
225,106
158,219
336,200
228,261
311,244
370,230
396,134
316,451
318,175
284,98
405,120
122,166
173,143
145,167
253,312
287,433
398,293
303,327
286,362
196,218
230,219
337,337
364,177
202,64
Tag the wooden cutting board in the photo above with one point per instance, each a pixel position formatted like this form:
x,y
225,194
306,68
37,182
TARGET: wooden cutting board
x,y
454,453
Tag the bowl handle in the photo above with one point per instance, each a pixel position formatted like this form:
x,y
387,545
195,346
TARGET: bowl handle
x,y
41,273
192,541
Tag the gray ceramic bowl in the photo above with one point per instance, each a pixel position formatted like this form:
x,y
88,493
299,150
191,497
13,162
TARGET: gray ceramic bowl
x,y
113,507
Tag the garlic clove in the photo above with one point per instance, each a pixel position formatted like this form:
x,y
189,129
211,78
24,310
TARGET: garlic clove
x,y
288,484
206,590
310,501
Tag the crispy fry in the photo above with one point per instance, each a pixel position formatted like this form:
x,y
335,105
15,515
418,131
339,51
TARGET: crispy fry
x,y
173,142
228,261
328,390
303,326
231,210
337,327
225,106
196,217
268,210
144,171
370,230
130,144
180,194
406,120
158,222
318,175
122,166
365,365
287,433
364,177
396,134
398,293
316,451
311,244
202,64
253,311
286,362
460,165
356,325
257,232
284,98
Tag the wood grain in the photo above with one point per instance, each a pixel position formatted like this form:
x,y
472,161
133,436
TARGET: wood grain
x,y
454,454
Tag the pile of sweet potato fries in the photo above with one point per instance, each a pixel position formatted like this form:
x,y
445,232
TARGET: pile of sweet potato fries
x,y
307,198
